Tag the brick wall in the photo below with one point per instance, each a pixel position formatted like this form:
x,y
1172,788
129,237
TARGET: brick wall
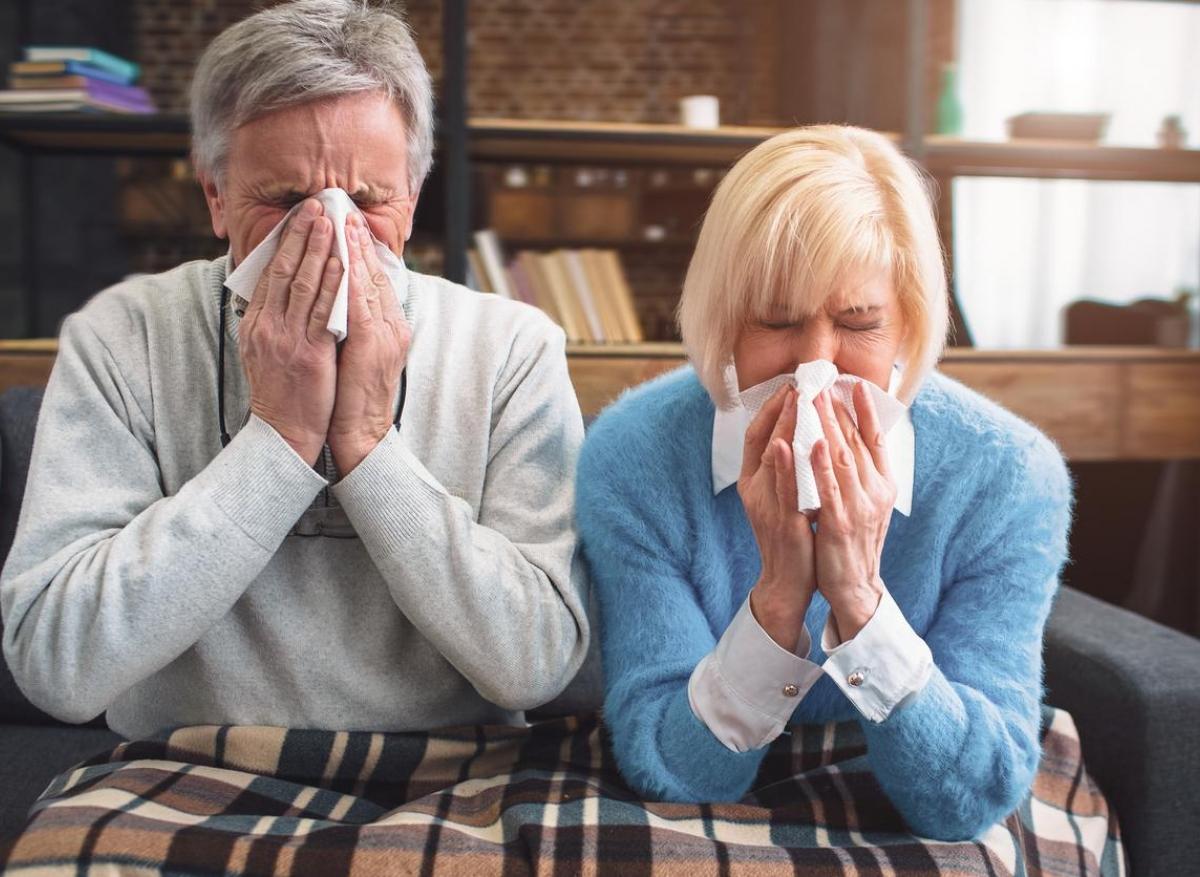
x,y
618,60
621,60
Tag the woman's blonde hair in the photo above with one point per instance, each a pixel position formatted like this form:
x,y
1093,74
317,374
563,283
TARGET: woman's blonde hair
x,y
796,218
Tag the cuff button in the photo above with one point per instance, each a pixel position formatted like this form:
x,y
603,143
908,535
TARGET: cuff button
x,y
857,678
790,690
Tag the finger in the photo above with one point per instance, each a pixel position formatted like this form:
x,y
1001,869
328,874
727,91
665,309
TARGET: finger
x,y
828,488
759,432
358,312
785,477
307,283
840,456
318,318
871,430
863,463
785,424
257,301
379,284
289,255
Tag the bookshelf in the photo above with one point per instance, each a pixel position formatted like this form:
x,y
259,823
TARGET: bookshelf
x,y
77,134
468,145
1051,159
639,148
550,141
1100,404
544,141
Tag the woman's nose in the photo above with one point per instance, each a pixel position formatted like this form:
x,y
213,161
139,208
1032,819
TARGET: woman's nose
x,y
816,341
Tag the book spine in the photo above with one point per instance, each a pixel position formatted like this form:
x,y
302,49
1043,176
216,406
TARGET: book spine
x,y
520,283
493,261
583,293
101,102
477,275
94,57
561,296
81,68
542,298
624,296
105,61
126,94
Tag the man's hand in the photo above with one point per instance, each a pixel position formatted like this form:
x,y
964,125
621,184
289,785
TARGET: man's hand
x,y
372,356
289,356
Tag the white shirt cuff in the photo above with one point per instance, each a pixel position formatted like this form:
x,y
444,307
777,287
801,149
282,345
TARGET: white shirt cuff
x,y
746,689
885,663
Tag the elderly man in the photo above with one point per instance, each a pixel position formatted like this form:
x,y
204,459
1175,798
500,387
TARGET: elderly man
x,y
232,517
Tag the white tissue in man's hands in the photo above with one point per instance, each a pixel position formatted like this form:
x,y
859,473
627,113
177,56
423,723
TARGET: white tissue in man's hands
x,y
810,379
338,206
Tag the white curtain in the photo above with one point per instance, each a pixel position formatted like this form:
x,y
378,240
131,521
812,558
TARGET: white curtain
x,y
1026,248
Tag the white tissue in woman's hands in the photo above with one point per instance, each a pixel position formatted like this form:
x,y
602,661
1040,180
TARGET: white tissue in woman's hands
x,y
810,379
338,206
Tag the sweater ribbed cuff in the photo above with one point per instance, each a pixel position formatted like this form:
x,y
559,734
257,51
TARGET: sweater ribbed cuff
x,y
260,483
390,497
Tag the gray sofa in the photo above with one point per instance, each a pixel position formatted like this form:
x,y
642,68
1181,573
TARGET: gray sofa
x,y
1133,687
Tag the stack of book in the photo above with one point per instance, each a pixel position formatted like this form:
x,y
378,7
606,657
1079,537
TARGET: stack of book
x,y
64,79
584,291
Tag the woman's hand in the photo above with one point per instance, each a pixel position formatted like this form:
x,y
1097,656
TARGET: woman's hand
x,y
767,486
857,495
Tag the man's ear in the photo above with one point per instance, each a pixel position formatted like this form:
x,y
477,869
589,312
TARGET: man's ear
x,y
216,206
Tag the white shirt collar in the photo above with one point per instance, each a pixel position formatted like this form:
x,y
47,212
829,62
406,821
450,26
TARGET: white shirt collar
x,y
729,437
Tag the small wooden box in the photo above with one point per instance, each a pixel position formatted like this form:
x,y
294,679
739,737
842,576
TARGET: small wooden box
x,y
522,213
597,215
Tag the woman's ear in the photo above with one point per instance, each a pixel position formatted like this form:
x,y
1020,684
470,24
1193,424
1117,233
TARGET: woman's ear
x,y
216,205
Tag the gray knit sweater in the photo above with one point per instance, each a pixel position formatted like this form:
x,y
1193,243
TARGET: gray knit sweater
x,y
153,576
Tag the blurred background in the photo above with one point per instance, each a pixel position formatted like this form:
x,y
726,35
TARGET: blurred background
x,y
580,142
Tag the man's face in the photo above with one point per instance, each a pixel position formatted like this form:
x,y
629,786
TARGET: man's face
x,y
356,143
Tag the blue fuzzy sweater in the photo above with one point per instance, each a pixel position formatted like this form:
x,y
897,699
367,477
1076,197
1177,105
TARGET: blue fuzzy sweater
x,y
974,569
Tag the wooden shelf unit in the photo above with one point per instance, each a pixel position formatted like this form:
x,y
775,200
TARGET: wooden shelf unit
x,y
1097,403
546,141
1055,159
97,133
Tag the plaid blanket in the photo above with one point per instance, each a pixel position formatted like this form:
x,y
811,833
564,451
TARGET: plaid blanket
x,y
511,801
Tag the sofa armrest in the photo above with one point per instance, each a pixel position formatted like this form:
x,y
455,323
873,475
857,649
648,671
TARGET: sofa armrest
x,y
1133,687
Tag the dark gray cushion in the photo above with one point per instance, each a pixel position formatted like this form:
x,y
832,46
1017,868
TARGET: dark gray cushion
x,y
32,755
19,409
18,420
1133,687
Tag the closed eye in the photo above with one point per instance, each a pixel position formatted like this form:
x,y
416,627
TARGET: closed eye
x,y
871,327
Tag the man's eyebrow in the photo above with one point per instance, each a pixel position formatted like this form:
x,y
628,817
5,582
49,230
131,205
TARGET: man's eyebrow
x,y
364,190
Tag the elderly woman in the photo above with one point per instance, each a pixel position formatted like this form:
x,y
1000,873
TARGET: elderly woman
x,y
908,591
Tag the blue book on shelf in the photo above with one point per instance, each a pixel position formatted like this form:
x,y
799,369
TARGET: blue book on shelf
x,y
45,69
95,57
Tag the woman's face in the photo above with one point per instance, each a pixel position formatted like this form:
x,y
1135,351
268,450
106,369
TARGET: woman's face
x,y
356,143
860,330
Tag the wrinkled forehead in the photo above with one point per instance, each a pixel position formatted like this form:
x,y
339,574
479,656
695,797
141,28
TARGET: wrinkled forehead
x,y
855,288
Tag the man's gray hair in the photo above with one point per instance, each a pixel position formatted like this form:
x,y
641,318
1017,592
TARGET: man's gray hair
x,y
307,50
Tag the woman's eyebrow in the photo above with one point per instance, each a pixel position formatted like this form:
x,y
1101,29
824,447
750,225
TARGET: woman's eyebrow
x,y
859,309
